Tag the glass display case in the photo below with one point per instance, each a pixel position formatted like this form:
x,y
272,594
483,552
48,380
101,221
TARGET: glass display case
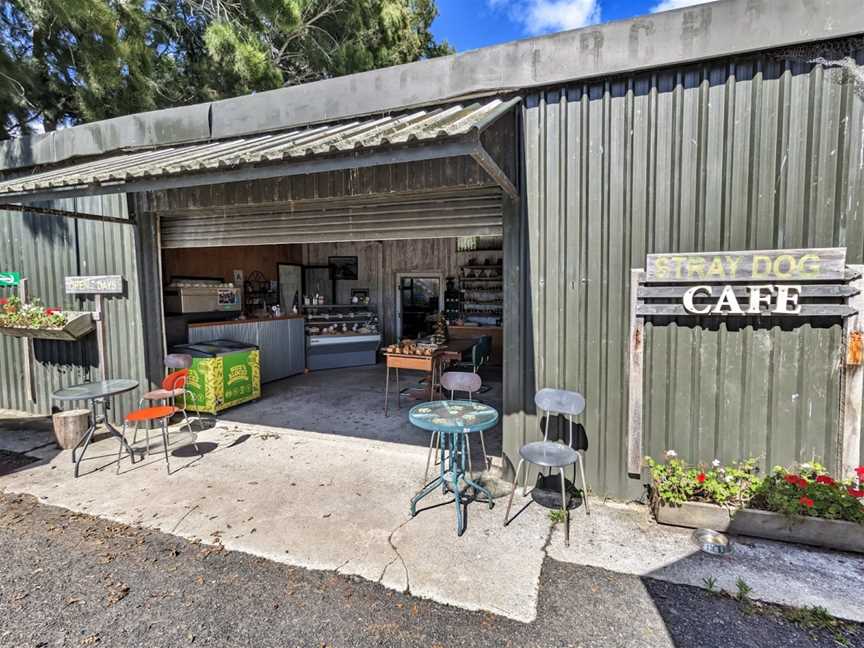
x,y
341,335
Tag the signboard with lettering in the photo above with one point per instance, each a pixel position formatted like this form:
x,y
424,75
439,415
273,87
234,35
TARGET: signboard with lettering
x,y
95,285
799,282
10,279
765,266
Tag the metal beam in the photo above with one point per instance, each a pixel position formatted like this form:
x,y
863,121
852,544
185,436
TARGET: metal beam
x,y
48,211
481,155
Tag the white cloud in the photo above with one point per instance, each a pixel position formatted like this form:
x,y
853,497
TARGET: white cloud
x,y
543,16
668,5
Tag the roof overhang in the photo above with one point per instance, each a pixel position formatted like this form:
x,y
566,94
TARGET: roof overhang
x,y
453,131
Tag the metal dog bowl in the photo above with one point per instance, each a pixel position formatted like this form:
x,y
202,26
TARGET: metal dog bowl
x,y
712,542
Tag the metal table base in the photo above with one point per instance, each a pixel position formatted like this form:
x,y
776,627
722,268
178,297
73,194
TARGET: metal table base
x,y
451,475
91,431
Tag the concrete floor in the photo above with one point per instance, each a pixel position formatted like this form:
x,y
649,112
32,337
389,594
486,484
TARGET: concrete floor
x,y
350,402
338,499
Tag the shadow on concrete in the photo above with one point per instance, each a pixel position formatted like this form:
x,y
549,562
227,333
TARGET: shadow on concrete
x,y
350,402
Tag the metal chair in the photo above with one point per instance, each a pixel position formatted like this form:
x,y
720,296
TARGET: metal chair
x,y
461,381
480,354
173,386
554,454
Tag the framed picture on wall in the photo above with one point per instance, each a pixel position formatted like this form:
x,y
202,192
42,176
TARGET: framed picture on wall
x,y
344,267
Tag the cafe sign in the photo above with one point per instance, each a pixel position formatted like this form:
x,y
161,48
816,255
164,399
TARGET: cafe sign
x,y
746,283
768,286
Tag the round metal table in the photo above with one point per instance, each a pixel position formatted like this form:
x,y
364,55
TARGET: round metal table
x,y
96,393
453,420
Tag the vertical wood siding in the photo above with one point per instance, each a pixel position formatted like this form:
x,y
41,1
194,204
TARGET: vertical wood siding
x,y
742,154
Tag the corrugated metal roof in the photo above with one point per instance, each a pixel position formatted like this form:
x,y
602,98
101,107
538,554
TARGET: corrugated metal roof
x,y
421,126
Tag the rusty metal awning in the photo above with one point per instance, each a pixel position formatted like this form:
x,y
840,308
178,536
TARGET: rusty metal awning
x,y
450,131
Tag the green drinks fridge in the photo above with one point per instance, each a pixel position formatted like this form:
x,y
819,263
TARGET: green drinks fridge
x,y
223,374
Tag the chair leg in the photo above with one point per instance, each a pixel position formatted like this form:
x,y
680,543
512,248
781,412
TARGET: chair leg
x,y
433,443
120,449
564,509
485,454
147,434
165,444
513,492
584,484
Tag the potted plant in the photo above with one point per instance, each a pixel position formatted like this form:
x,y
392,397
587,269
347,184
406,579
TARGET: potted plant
x,y
34,320
803,505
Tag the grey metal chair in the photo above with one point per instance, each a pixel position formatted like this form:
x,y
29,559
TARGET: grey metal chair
x,y
461,381
554,454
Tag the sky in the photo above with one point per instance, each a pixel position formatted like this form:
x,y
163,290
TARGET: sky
x,y
468,24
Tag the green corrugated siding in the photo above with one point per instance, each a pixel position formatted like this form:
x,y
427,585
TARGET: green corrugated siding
x,y
45,249
743,154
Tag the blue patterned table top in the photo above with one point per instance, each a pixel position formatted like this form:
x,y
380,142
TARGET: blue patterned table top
x,y
453,416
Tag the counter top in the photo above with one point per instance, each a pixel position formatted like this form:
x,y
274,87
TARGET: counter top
x,y
248,320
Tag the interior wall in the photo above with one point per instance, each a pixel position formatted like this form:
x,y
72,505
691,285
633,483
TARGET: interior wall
x,y
378,264
222,261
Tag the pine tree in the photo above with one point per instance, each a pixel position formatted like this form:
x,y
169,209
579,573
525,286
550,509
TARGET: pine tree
x,y
64,62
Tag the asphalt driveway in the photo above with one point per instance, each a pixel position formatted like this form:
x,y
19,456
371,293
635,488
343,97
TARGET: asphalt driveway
x,y
70,579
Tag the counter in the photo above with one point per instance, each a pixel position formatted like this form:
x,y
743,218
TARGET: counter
x,y
496,332
280,340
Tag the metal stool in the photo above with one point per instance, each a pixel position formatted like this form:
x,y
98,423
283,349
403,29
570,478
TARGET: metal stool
x,y
453,381
553,454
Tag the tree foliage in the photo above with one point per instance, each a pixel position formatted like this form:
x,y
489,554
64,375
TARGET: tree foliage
x,y
64,62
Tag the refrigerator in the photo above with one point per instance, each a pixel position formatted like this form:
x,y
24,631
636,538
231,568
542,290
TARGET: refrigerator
x,y
223,374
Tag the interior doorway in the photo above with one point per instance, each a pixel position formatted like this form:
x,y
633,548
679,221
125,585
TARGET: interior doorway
x,y
419,298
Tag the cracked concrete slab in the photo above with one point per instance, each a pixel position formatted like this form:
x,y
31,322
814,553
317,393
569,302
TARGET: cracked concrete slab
x,y
312,500
624,538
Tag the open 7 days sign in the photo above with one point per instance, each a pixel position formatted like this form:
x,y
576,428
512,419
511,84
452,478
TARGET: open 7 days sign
x,y
9,279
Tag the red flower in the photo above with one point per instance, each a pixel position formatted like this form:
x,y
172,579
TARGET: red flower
x,y
791,479
51,311
860,471
700,478
806,501
3,301
825,479
855,492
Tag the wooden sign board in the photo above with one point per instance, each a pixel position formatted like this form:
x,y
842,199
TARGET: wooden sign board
x,y
765,266
95,285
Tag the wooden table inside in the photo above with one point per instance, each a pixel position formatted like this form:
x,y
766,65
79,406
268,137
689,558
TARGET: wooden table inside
x,y
430,364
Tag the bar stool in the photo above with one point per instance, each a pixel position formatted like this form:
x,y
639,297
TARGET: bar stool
x,y
454,381
553,454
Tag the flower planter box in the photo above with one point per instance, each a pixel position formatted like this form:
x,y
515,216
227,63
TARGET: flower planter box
x,y
78,325
818,532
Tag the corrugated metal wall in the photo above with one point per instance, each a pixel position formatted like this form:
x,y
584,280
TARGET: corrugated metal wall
x,y
45,249
762,152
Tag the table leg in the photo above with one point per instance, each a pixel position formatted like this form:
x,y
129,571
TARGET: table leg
x,y
85,440
455,474
122,438
398,393
386,389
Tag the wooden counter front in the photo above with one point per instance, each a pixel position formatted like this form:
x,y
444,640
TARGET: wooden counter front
x,y
496,332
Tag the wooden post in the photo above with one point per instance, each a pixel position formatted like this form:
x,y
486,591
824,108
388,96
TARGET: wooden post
x,y
99,316
634,400
853,384
26,350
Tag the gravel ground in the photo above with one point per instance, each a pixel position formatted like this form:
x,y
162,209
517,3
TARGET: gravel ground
x,y
73,580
